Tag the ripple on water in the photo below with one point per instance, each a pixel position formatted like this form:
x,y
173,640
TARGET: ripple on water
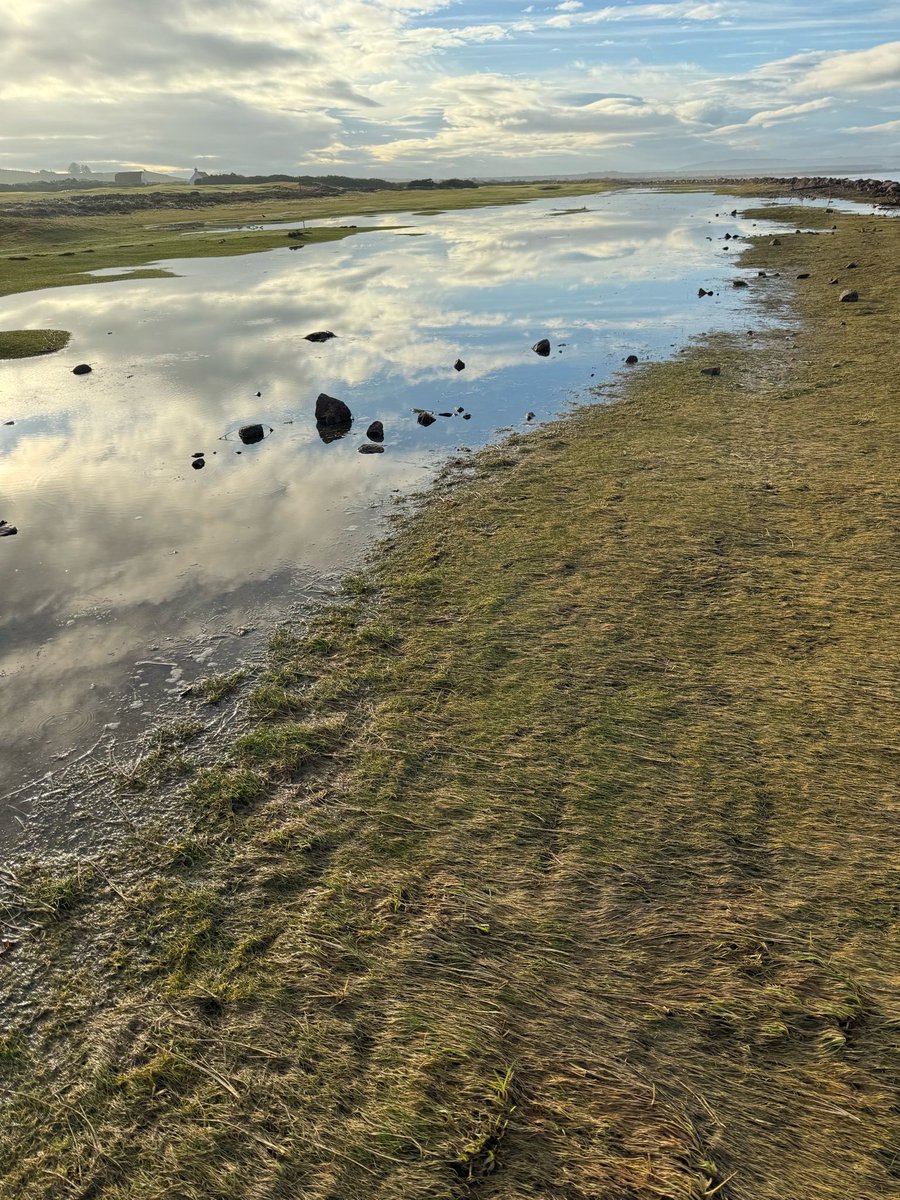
x,y
72,722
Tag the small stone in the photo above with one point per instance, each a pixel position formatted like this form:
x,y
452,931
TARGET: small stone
x,y
631,360
369,448
459,365
803,275
851,266
198,463
760,275
375,432
775,242
198,454
321,335
542,347
7,530
529,416
425,419
445,414
849,297
460,410
9,422
467,416
740,283
833,281
710,370
82,369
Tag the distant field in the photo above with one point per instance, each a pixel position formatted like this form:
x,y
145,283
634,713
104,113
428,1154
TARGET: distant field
x,y
58,251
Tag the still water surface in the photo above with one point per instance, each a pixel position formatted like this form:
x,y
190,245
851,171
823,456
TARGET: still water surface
x,y
134,574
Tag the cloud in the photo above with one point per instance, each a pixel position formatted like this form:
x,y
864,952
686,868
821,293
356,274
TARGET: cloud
x,y
862,70
773,116
427,85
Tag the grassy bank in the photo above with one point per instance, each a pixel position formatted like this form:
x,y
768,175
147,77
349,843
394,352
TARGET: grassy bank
x,y
59,251
558,860
26,343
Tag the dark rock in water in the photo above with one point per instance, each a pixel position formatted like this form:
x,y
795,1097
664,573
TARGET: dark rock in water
x,y
529,416
803,275
467,416
631,360
703,292
198,454
727,237
450,414
249,434
542,347
198,463
368,448
740,283
322,335
734,212
258,394
459,365
760,275
333,433
9,422
460,410
330,411
7,530
81,369
710,370
375,432
425,418
849,297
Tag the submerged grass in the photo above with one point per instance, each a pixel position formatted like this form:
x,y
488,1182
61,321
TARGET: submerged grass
x,y
561,864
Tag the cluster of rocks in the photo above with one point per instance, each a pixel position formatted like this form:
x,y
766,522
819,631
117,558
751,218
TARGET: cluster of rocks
x,y
880,191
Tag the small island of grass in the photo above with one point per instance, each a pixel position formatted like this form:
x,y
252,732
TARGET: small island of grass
x,y
26,343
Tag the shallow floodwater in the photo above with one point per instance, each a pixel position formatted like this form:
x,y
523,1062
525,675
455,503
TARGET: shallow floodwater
x,y
133,574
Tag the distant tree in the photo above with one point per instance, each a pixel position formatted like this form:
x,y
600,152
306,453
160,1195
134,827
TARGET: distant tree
x,y
421,184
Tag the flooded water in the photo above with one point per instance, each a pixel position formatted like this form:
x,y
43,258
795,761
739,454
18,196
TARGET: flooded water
x,y
133,573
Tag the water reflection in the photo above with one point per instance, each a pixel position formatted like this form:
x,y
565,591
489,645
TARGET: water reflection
x,y
130,565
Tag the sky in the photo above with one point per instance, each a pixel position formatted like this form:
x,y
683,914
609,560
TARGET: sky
x,y
402,88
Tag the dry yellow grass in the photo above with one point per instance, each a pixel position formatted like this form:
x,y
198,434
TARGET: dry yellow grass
x,y
563,864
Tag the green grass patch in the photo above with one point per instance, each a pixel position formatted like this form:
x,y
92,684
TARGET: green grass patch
x,y
216,688
27,343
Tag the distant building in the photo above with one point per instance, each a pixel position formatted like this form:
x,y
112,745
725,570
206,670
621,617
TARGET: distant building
x,y
129,178
198,175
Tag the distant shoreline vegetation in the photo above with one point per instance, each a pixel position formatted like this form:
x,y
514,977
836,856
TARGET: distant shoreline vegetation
x,y
347,183
344,183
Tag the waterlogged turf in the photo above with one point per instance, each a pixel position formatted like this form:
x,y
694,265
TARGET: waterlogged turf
x,y
561,861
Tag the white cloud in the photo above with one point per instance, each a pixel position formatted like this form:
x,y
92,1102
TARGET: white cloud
x,y
773,116
863,70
